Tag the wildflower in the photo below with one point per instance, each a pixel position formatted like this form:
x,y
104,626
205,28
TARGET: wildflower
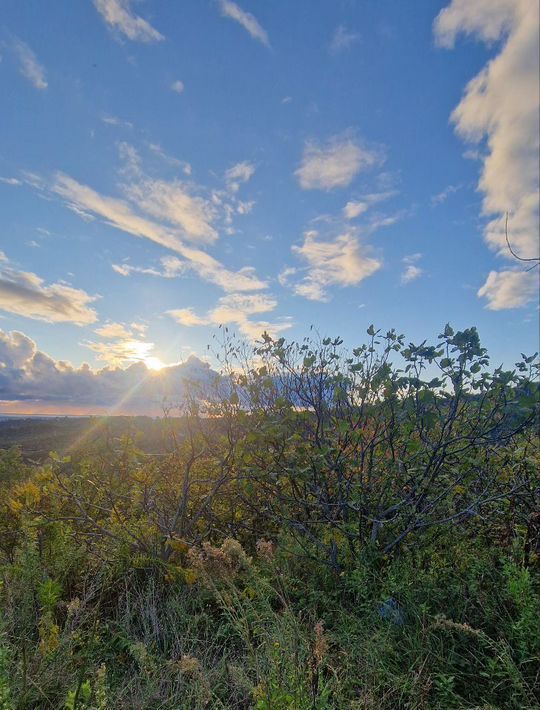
x,y
320,647
265,549
220,561
73,606
189,665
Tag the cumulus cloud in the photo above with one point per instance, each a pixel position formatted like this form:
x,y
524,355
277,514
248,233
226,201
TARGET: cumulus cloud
x,y
245,19
509,289
24,293
342,39
342,261
501,107
334,163
30,380
29,65
236,309
119,16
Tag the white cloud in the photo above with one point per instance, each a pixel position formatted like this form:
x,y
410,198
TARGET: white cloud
x,y
11,181
241,172
171,160
177,213
119,16
342,39
443,195
113,330
334,163
177,86
171,268
342,261
202,264
115,121
501,106
245,19
286,274
116,212
173,202
235,309
23,293
121,352
29,65
354,209
210,269
411,271
509,289
187,317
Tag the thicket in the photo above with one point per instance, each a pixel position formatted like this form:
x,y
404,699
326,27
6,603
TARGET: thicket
x,y
326,530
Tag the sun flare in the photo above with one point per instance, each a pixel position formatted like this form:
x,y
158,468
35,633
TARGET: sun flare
x,y
154,363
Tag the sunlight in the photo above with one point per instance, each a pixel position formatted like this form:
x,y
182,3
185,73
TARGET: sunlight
x,y
154,363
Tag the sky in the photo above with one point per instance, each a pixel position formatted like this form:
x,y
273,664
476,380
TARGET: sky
x,y
167,168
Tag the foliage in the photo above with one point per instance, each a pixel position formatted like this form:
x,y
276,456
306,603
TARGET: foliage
x,y
253,562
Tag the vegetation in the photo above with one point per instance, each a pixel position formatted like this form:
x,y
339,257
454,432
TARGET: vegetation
x,y
324,530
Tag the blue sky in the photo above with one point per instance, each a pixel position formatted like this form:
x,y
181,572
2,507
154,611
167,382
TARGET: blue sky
x,y
167,167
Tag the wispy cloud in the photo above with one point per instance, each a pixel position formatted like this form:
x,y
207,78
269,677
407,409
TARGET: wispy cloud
x,y
443,195
245,19
24,293
355,208
173,202
342,261
178,86
342,39
241,172
171,267
176,216
115,121
119,16
14,182
171,160
411,271
29,65
501,104
203,265
335,163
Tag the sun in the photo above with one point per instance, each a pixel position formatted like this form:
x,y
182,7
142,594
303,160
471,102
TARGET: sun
x,y
153,363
